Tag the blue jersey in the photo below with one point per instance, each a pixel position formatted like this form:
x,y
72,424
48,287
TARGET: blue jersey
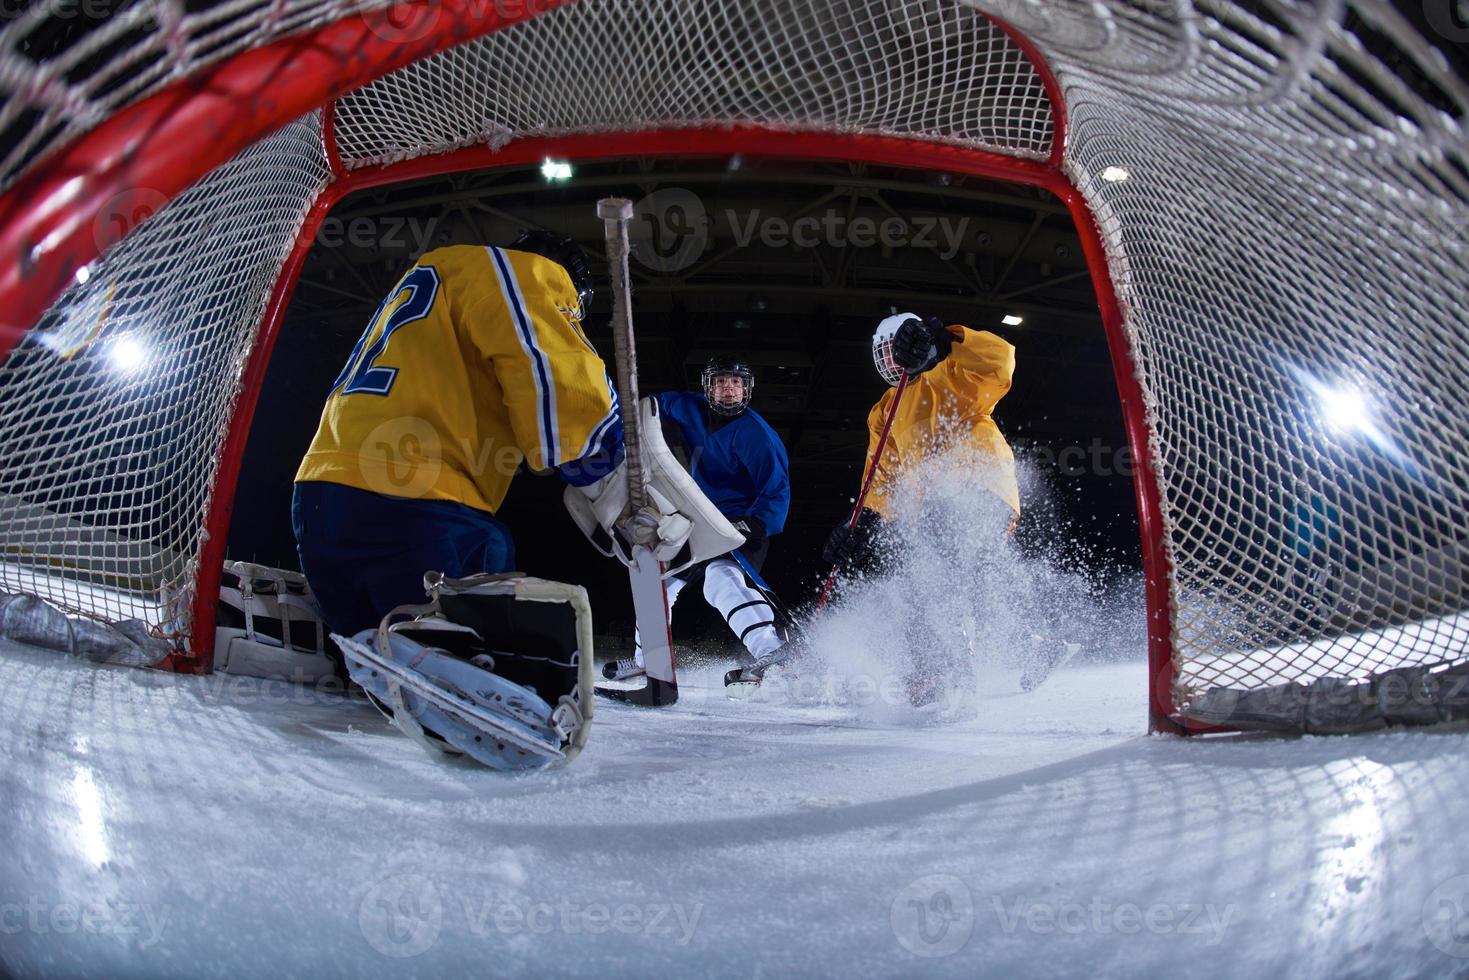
x,y
740,465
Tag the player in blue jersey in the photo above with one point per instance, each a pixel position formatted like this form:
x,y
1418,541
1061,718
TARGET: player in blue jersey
x,y
736,458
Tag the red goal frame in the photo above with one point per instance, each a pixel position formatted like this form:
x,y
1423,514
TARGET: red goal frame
x,y
170,139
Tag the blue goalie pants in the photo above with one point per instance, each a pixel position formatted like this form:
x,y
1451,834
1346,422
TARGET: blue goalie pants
x,y
364,554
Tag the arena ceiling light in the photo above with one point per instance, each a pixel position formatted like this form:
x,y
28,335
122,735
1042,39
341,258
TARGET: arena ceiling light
x,y
555,169
1349,413
1012,320
127,354
1340,406
1345,409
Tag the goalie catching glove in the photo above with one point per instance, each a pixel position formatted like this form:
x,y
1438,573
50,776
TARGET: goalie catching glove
x,y
685,527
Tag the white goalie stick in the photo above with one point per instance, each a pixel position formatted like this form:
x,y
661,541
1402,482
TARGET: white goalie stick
x,y
645,574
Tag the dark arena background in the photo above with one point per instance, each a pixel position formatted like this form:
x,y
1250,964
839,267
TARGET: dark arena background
x,y
788,265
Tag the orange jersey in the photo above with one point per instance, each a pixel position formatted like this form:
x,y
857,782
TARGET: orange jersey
x,y
945,416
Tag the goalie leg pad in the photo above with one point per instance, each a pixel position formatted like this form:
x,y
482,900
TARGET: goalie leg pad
x,y
498,667
452,706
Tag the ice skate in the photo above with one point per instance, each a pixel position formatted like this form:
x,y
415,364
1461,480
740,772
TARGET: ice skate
x,y
742,681
624,669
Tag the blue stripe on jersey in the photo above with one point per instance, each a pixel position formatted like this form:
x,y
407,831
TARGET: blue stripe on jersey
x,y
576,328
526,331
594,441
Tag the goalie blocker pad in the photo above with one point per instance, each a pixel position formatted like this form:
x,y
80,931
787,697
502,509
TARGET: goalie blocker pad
x,y
497,667
598,509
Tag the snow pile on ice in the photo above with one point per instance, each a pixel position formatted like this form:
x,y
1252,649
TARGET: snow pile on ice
x,y
950,586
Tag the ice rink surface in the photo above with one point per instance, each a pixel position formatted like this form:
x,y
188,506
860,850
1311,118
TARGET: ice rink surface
x,y
166,826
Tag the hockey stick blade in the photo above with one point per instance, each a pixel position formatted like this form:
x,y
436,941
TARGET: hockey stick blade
x,y
654,694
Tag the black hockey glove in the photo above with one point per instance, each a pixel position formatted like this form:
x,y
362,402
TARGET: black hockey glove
x,y
847,543
753,528
920,344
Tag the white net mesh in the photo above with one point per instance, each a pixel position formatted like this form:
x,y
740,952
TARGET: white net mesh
x,y
1293,246
64,68
936,71
113,410
1290,246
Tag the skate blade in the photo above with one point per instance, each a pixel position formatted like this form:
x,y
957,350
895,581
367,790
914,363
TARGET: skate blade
x,y
655,694
738,688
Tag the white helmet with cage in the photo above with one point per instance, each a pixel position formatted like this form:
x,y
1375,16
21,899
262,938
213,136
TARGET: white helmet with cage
x,y
882,346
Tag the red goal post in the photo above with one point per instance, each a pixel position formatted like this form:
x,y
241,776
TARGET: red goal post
x,y
1224,609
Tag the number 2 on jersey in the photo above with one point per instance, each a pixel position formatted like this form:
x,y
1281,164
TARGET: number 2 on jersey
x,y
361,374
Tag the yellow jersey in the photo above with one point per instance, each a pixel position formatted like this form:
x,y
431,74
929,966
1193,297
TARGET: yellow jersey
x,y
474,362
945,415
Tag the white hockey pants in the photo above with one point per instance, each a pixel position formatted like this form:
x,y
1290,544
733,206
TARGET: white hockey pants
x,y
743,607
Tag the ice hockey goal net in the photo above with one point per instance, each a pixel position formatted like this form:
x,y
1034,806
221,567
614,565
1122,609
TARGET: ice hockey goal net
x,y
1272,197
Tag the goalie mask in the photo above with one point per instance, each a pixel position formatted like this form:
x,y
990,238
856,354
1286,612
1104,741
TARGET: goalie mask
x,y
564,252
728,384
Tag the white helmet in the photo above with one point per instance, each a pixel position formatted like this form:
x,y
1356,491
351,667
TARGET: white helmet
x,y
882,346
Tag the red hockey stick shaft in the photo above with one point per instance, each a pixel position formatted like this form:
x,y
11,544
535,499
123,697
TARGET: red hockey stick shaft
x,y
882,441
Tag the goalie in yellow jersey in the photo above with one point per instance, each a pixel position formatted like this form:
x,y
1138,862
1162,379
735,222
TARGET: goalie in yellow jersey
x,y
945,484
475,362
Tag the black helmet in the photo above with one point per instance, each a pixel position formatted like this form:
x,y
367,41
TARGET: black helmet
x,y
563,251
722,364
